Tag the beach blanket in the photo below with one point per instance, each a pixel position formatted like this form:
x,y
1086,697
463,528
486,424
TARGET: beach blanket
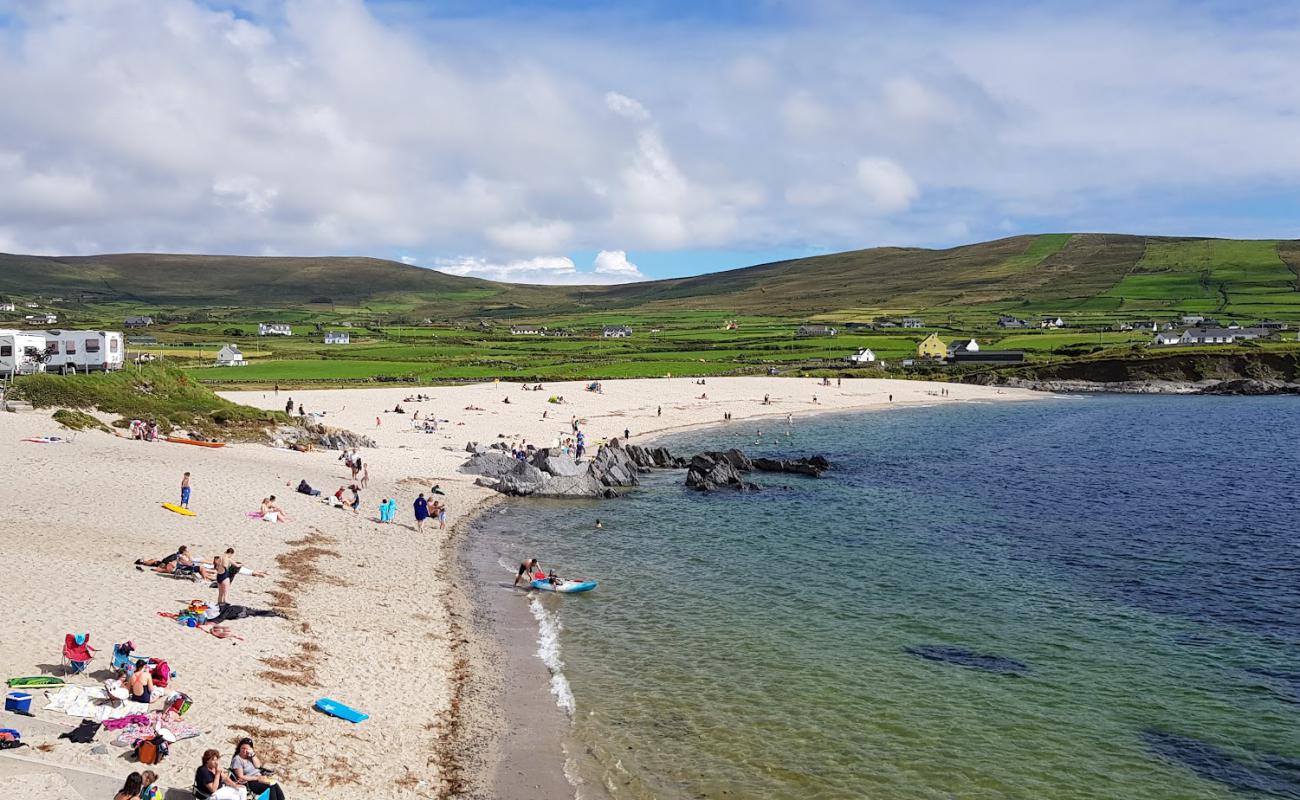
x,y
92,702
146,727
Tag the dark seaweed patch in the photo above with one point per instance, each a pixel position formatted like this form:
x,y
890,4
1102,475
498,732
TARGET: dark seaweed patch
x,y
968,658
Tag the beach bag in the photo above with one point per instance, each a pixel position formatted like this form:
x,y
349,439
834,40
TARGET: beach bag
x,y
162,674
151,751
178,704
10,738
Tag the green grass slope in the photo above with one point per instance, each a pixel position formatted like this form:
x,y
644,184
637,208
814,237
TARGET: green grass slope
x,y
1080,274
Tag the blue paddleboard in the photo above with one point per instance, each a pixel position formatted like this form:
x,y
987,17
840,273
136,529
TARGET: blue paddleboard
x,y
565,587
336,709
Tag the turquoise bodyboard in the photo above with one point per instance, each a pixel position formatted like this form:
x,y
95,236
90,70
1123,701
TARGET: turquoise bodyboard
x,y
336,709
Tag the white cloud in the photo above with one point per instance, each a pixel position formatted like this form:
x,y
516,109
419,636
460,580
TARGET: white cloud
x,y
410,260
625,106
311,127
888,187
614,263
531,236
610,266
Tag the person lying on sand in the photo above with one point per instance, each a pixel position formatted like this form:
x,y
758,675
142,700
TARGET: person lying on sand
x,y
167,563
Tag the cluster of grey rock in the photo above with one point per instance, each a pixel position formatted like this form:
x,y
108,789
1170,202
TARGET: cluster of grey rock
x,y
1242,386
726,470
312,435
549,472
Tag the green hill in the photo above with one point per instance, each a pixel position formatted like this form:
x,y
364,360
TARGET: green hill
x,y
1093,275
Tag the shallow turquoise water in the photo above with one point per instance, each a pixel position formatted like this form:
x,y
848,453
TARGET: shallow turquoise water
x,y
1136,555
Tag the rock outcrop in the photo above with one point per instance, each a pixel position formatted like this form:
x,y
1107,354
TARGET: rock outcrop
x,y
710,471
550,472
814,466
312,435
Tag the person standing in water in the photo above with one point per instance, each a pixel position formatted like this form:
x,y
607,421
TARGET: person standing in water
x,y
528,570
185,490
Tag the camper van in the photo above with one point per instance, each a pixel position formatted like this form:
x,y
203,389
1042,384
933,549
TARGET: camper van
x,y
83,351
21,352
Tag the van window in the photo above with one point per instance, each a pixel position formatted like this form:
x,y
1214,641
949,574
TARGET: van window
x,y
92,345
6,350
112,345
52,348
70,347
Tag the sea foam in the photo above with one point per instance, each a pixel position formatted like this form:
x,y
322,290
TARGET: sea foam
x,y
548,650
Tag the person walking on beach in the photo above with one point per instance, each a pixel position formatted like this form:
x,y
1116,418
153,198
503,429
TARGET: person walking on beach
x,y
421,512
627,434
365,477
288,407
185,490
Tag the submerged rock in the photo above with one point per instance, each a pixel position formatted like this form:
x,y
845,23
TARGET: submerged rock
x,y
1267,774
962,657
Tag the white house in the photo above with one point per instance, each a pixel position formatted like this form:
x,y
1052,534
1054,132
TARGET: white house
x,y
1168,337
31,304
1012,322
274,329
1192,319
337,337
913,322
963,346
230,356
527,330
1051,322
863,356
616,332
42,319
7,307
1221,335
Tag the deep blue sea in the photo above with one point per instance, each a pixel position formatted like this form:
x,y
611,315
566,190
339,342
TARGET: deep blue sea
x,y
1092,597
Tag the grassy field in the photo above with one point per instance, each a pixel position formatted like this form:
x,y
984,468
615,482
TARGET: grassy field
x,y
409,324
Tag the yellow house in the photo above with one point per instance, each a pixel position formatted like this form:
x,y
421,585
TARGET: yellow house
x,y
931,347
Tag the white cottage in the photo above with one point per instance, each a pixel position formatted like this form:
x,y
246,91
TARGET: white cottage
x,y
274,329
230,356
863,356
338,337
963,346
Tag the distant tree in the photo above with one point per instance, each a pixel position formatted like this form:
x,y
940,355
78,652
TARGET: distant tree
x,y
233,332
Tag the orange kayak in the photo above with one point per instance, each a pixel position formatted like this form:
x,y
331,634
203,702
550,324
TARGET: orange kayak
x,y
177,440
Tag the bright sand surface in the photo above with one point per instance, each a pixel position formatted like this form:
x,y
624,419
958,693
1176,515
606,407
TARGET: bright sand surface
x,y
371,618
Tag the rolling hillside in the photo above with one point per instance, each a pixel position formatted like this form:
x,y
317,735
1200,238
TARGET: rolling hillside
x,y
1084,274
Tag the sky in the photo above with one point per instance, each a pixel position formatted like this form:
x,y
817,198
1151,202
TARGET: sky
x,y
606,142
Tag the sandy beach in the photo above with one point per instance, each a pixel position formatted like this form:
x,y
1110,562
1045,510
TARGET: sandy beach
x,y
372,615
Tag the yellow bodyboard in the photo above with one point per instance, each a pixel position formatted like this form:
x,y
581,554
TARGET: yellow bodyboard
x,y
182,511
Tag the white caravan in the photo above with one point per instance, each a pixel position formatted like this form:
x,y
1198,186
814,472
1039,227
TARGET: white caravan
x,y
21,352
83,351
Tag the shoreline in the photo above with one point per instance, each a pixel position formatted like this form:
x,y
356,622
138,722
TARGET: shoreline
x,y
361,598
490,746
